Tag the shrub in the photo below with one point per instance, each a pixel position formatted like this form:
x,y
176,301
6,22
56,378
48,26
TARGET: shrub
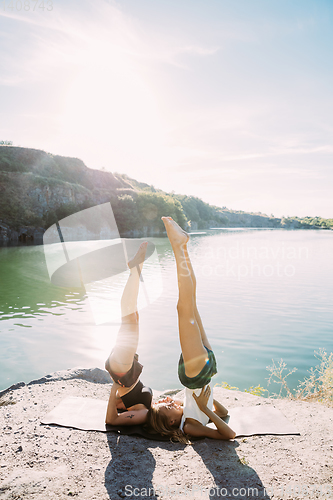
x,y
318,386
256,391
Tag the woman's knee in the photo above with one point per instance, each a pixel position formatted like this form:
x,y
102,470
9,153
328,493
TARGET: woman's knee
x,y
120,360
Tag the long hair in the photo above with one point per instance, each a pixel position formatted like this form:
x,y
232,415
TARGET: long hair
x,y
157,423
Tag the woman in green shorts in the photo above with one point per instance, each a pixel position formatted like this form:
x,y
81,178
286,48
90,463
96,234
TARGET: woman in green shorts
x,y
197,364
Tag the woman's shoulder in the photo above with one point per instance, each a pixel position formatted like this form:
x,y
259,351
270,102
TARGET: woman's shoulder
x,y
137,407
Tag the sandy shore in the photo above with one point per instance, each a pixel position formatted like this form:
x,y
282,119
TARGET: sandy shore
x,y
45,462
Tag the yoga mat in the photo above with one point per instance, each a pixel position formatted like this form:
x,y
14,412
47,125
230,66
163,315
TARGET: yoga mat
x,y
258,420
89,414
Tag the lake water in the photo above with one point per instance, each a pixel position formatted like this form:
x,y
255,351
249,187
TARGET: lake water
x,y
262,295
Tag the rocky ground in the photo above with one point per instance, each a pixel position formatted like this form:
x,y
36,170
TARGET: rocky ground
x,y
49,462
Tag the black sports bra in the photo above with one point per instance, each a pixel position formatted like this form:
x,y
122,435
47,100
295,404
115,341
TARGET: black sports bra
x,y
140,394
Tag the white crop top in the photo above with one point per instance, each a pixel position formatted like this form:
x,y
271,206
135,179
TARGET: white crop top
x,y
191,409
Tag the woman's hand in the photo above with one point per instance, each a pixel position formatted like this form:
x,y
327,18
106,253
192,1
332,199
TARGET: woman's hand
x,y
203,397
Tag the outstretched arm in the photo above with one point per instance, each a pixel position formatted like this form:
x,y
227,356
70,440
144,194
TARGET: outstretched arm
x,y
133,417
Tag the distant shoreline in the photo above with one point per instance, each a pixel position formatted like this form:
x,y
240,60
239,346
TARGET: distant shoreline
x,y
39,189
38,240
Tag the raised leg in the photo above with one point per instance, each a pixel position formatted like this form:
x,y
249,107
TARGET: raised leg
x,y
191,336
204,338
121,357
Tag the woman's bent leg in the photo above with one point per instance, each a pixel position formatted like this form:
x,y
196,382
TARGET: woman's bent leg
x,y
121,357
193,350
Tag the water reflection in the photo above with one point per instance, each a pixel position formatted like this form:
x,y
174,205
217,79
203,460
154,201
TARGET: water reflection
x,y
26,291
250,319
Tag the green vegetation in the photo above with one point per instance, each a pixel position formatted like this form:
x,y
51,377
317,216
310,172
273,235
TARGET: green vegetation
x,y
225,385
72,170
317,222
146,209
22,196
38,188
307,223
256,391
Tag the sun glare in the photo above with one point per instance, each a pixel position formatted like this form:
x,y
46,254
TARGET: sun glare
x,y
110,104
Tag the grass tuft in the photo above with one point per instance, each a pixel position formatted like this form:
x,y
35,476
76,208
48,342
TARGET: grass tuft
x,y
225,385
318,386
256,391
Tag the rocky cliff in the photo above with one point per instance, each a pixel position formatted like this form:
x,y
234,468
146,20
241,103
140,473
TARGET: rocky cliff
x,y
35,185
38,188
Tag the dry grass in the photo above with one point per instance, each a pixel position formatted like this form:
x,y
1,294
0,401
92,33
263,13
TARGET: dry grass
x,y
318,386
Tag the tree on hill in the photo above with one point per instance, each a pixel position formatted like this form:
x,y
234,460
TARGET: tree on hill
x,y
38,188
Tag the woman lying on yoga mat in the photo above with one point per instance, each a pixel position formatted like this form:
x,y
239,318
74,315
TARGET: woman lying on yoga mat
x,y
128,394
129,399
197,362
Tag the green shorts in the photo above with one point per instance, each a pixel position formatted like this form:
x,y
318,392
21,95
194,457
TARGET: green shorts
x,y
203,378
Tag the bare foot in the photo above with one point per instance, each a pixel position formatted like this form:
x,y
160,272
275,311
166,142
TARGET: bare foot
x,y
186,234
176,234
139,257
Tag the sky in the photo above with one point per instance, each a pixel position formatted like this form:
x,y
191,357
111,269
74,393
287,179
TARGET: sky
x,y
227,100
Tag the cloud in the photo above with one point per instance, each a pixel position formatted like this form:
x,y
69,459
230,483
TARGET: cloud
x,y
35,46
38,46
